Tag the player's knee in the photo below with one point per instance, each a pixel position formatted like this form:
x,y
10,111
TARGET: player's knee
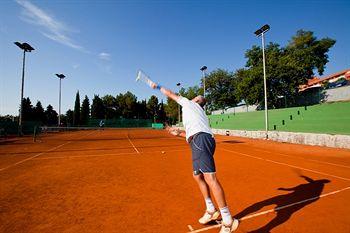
x,y
210,178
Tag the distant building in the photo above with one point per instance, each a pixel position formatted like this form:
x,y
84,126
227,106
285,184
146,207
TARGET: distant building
x,y
331,80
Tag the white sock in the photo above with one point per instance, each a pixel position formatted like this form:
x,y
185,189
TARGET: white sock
x,y
226,215
209,204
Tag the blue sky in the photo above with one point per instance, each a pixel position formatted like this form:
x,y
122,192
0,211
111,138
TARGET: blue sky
x,y
100,45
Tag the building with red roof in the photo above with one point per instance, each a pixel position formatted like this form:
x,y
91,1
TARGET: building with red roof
x,y
318,81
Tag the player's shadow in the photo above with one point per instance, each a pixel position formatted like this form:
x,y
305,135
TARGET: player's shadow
x,y
287,204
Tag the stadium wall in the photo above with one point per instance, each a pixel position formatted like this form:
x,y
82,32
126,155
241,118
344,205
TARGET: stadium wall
x,y
243,108
338,94
328,140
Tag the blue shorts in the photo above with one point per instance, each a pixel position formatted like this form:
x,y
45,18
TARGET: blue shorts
x,y
203,148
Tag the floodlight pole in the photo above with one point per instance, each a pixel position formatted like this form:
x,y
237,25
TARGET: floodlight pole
x,y
203,69
26,48
261,32
60,76
22,90
178,106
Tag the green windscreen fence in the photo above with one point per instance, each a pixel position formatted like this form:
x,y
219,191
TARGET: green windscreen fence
x,y
157,126
8,127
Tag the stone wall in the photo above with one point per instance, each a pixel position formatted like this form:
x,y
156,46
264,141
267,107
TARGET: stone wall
x,y
328,140
338,94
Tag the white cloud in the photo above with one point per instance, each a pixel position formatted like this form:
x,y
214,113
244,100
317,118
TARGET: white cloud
x,y
104,56
76,66
54,29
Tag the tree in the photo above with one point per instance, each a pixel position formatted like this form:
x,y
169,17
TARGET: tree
x,y
172,110
130,105
76,116
286,69
191,92
69,117
161,113
97,108
110,105
39,113
152,107
220,89
85,111
141,109
51,116
308,53
27,109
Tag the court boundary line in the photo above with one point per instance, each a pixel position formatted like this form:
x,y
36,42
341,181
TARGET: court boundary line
x,y
133,144
286,164
41,153
102,155
313,160
274,209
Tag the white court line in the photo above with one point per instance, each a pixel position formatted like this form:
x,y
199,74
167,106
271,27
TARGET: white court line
x,y
34,156
133,145
190,227
22,161
83,156
275,209
313,160
288,165
102,155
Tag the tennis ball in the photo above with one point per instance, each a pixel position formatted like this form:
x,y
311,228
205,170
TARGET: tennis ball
x,y
163,152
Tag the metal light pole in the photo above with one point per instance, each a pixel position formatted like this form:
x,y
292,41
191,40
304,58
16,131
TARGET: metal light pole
x,y
26,48
203,69
178,106
260,32
60,76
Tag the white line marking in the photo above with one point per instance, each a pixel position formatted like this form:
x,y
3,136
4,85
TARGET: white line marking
x,y
286,164
22,161
133,145
34,156
313,160
190,227
275,209
82,156
102,155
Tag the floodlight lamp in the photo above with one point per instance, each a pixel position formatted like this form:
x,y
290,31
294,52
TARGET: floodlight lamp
x,y
61,76
24,46
203,68
261,30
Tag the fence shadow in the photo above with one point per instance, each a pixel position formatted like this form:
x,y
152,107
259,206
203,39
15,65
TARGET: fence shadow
x,y
305,193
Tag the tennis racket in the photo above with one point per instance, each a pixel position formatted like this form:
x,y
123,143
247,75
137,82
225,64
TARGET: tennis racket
x,y
141,76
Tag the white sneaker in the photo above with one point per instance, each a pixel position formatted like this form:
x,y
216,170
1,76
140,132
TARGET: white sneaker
x,y
229,228
207,217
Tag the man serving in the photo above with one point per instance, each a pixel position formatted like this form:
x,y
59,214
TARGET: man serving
x,y
201,139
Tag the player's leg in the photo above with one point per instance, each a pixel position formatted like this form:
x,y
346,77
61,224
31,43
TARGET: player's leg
x,y
216,188
206,145
229,224
199,178
211,213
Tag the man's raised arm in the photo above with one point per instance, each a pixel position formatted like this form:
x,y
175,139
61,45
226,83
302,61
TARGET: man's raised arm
x,y
166,92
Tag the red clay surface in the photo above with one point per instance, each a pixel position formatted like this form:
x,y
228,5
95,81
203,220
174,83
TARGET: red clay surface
x,y
119,181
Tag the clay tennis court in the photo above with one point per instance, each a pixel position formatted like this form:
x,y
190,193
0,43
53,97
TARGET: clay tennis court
x,y
120,181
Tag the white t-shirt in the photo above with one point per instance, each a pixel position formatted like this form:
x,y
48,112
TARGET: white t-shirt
x,y
193,117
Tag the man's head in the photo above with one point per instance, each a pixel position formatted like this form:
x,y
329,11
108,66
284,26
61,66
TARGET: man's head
x,y
200,100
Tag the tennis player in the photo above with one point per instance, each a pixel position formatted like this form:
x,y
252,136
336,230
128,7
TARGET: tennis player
x,y
200,137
